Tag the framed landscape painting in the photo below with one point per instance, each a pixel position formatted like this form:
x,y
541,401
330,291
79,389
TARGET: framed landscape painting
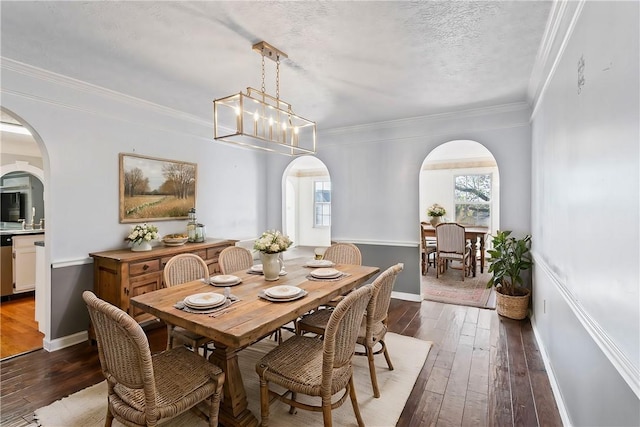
x,y
155,189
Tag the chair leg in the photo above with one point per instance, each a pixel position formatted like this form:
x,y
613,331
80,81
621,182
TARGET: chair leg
x,y
109,420
326,411
372,372
169,336
425,264
264,402
386,355
216,397
354,402
292,409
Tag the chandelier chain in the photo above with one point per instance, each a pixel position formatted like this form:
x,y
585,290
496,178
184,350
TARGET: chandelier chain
x,y
278,77
263,90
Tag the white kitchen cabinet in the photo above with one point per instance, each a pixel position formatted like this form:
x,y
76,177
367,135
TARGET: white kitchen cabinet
x,y
24,262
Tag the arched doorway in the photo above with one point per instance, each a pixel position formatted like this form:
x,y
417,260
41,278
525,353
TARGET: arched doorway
x,y
22,180
462,176
307,202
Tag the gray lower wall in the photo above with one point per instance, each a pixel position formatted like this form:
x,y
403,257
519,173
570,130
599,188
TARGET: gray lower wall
x,y
69,314
385,256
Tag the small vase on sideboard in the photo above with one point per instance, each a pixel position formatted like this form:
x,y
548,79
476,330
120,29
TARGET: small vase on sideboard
x,y
141,246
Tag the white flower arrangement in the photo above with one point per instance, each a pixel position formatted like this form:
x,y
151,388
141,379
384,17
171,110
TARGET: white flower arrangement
x,y
436,210
272,242
141,233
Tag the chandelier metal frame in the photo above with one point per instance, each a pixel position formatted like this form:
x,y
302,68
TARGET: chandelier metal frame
x,y
261,121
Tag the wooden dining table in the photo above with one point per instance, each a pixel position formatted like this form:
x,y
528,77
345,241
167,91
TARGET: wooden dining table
x,y
475,234
247,320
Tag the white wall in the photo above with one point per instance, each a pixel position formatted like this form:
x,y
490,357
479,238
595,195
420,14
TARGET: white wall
x,y
586,195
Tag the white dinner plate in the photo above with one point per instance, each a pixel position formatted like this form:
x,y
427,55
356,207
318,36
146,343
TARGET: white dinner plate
x,y
283,291
317,263
326,273
204,300
224,279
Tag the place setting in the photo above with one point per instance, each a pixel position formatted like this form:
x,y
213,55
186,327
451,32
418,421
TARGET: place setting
x,y
326,274
223,280
207,302
319,263
282,293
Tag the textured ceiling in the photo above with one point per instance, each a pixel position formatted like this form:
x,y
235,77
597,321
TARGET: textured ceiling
x,y
349,62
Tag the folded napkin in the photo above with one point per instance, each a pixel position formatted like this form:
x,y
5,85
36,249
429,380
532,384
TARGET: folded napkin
x,y
180,305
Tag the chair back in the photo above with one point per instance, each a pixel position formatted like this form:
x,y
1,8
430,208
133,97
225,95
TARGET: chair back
x,y
343,253
235,258
450,237
342,331
379,305
184,268
123,348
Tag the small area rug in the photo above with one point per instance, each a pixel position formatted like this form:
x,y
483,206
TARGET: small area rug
x,y
450,289
87,408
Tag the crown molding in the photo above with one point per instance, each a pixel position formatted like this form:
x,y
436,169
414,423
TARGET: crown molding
x,y
562,21
51,77
450,115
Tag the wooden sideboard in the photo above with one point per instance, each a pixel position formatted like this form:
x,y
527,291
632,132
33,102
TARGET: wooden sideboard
x,y
119,275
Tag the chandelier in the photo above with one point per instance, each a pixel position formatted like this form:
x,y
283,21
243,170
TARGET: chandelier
x,y
261,121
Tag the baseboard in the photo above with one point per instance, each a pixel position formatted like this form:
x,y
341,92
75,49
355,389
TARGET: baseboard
x,y
562,409
64,342
405,296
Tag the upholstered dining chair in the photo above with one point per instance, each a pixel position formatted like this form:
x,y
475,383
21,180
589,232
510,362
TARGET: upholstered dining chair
x,y
452,246
315,367
235,258
184,268
427,248
373,326
343,253
144,389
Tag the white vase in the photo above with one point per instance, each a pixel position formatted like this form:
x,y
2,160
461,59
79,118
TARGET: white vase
x,y
141,246
271,266
435,220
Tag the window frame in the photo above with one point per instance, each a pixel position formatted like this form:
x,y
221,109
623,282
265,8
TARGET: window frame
x,y
488,203
316,204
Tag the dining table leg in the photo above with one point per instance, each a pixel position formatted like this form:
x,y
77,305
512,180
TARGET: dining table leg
x,y
233,409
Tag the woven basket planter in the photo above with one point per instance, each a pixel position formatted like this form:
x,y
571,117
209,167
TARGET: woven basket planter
x,y
515,307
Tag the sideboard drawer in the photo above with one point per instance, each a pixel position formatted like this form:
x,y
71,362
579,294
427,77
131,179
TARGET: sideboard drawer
x,y
144,267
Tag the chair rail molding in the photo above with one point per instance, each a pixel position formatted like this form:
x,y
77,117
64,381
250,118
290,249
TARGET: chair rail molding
x,y
627,370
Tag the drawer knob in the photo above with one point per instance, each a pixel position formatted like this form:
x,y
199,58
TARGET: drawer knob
x,y
145,267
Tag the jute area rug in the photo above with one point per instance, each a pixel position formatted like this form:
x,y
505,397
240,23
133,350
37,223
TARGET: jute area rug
x,y
88,407
450,289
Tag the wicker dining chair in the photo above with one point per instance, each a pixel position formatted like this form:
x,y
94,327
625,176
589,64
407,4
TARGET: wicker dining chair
x,y
235,258
184,268
315,367
144,389
452,246
343,253
374,324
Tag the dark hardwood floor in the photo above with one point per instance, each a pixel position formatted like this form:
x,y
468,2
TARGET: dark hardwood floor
x,y
482,370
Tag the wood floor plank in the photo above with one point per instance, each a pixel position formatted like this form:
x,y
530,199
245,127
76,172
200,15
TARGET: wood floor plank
x,y
523,404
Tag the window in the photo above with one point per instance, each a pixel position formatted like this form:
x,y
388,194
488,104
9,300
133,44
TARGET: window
x,y
472,197
322,204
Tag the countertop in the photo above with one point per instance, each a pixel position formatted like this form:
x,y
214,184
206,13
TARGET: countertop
x,y
18,232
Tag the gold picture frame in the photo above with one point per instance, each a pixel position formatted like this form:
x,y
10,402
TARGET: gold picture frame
x,y
153,189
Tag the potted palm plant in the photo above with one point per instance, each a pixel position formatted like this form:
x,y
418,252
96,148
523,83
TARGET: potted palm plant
x,y
507,260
